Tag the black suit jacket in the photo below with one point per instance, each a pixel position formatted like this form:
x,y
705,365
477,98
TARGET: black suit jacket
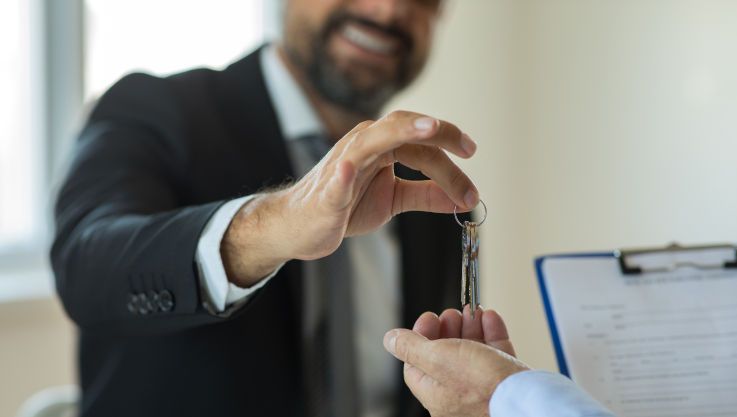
x,y
155,160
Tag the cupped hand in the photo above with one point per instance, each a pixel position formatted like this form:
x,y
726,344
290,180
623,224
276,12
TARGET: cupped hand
x,y
453,364
487,328
354,191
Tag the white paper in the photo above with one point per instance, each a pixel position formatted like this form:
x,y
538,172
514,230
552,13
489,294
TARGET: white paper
x,y
651,345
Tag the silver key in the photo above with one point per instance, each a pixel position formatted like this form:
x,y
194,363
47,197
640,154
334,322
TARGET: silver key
x,y
470,292
475,268
465,244
470,276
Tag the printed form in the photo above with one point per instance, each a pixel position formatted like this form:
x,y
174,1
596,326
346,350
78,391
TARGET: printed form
x,y
648,345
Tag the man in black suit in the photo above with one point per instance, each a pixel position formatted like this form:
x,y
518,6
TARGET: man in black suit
x,y
204,282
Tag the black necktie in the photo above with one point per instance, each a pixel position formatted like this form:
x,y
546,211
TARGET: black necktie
x,y
329,352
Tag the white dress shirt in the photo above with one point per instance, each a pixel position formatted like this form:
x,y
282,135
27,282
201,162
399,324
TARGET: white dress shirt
x,y
543,394
375,257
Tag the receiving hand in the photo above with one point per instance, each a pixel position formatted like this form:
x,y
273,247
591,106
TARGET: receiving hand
x,y
453,364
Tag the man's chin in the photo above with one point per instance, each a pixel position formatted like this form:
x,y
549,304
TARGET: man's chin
x,y
366,78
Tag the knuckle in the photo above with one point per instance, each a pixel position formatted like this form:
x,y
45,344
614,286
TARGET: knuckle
x,y
358,140
365,124
457,177
403,349
428,154
448,128
396,115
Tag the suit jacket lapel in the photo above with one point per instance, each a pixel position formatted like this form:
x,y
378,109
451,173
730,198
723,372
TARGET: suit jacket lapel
x,y
247,109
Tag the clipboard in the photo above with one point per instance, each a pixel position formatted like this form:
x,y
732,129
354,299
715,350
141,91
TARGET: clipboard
x,y
625,294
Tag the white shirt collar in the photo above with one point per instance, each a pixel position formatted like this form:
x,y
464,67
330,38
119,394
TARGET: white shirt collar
x,y
296,116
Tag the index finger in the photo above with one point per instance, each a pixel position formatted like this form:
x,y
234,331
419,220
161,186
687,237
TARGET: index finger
x,y
398,128
428,325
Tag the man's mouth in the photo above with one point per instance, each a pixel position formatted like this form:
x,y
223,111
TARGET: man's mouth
x,y
369,40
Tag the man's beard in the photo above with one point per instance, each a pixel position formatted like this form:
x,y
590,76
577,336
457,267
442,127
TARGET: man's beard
x,y
340,86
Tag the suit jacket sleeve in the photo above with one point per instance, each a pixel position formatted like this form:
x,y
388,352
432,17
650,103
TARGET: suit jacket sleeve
x,y
123,223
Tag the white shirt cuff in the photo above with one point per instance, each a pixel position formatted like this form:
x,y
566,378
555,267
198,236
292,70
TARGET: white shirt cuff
x,y
543,393
214,282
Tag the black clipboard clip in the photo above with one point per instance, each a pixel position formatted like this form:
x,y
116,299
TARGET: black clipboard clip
x,y
628,269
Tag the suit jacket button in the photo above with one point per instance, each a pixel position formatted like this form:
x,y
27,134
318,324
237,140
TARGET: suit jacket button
x,y
152,301
132,303
166,301
143,304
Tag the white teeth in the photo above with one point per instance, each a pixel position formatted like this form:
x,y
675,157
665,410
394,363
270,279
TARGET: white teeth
x,y
367,41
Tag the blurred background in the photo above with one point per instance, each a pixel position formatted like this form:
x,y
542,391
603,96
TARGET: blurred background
x,y
600,125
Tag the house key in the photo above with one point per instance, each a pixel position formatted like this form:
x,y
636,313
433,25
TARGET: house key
x,y
470,267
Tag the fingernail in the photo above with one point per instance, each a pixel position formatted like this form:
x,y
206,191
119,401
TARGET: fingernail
x,y
392,343
471,199
424,123
468,144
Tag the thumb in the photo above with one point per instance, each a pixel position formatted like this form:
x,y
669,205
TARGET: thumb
x,y
409,347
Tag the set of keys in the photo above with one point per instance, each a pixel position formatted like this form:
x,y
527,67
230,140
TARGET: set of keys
x,y
470,267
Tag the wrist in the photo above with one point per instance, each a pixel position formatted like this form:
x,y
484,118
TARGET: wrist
x,y
517,368
254,245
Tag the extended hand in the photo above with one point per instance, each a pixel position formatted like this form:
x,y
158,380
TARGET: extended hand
x,y
352,191
453,364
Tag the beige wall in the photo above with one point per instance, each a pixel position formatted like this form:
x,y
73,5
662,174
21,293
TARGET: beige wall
x,y
601,124
37,344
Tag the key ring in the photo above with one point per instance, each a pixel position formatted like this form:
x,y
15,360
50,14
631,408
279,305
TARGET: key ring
x,y
455,214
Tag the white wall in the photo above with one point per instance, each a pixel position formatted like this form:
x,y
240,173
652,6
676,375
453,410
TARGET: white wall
x,y
601,124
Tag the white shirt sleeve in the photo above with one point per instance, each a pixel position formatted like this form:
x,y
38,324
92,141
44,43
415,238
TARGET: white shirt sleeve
x,y
216,290
543,394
